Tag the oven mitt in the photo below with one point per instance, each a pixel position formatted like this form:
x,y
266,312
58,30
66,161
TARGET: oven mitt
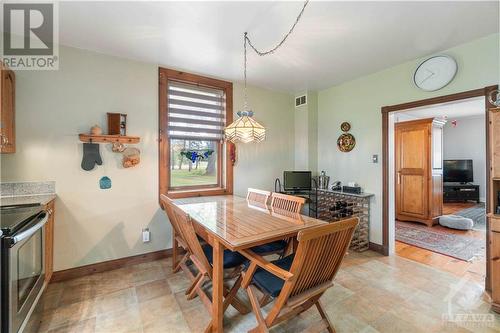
x,y
91,156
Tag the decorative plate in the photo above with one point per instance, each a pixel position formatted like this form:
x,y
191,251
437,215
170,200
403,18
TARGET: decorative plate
x,y
346,142
345,126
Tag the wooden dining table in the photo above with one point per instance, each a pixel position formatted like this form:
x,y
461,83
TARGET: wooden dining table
x,y
231,222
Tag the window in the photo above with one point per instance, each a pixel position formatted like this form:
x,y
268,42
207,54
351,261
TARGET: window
x,y
193,155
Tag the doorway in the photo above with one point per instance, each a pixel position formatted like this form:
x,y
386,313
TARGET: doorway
x,y
439,161
388,112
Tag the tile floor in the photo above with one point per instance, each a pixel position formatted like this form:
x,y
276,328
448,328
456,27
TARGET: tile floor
x,y
372,294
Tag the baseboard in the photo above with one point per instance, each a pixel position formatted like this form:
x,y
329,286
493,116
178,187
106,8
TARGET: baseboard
x,y
77,272
378,248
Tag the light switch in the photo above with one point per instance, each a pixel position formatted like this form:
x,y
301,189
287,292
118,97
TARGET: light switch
x,y
375,158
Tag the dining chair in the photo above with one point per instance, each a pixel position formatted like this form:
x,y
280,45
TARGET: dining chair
x,y
281,202
201,256
259,196
287,202
177,239
297,282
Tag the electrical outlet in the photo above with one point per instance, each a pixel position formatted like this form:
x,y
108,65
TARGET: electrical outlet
x,y
146,235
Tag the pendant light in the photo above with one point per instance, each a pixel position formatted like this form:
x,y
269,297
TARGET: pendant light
x,y
246,129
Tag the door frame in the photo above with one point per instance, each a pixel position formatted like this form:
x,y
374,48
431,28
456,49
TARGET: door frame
x,y
386,111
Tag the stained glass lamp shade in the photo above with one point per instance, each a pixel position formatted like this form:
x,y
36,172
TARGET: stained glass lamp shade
x,y
245,129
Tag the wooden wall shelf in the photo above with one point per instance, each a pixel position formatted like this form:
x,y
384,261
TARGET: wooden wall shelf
x,y
108,138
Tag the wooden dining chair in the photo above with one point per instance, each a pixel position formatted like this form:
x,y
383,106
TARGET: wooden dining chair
x,y
298,281
281,202
201,256
177,239
256,195
287,202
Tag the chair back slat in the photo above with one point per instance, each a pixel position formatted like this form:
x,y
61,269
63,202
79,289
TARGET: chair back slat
x,y
259,196
287,202
164,200
186,228
319,255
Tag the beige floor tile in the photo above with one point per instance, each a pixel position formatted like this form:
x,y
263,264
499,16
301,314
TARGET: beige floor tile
x,y
117,301
152,290
186,304
158,308
127,320
389,323
197,318
371,293
112,281
178,282
85,326
147,272
68,314
175,324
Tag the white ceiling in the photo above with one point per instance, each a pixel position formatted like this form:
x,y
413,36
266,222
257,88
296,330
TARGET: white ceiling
x,y
472,107
334,42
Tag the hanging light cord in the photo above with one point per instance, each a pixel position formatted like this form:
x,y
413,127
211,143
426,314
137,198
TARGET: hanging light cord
x,y
246,40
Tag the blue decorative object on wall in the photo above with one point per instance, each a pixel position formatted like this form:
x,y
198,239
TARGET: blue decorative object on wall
x,y
105,183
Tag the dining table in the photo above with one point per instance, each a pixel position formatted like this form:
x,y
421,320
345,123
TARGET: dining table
x,y
234,223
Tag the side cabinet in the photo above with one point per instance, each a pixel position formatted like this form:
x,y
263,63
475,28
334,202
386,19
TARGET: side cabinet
x,y
495,261
49,242
494,210
7,110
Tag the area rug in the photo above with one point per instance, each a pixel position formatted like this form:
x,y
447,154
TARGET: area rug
x,y
477,214
456,246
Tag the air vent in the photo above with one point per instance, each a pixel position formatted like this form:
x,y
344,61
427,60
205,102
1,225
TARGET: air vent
x,y
300,100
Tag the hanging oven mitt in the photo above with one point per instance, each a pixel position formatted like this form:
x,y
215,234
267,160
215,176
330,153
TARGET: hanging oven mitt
x,y
91,156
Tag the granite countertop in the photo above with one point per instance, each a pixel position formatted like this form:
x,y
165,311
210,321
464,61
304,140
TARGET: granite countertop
x,y
24,193
41,199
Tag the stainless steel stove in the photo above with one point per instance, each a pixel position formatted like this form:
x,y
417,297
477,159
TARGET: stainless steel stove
x,y
21,262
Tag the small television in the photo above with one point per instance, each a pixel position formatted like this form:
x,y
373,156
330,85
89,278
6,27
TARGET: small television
x,y
297,180
458,171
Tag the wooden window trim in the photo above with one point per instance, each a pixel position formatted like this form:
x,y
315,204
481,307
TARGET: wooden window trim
x,y
164,75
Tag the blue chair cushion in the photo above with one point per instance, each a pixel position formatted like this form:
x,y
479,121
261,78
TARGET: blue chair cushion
x,y
272,247
268,282
231,259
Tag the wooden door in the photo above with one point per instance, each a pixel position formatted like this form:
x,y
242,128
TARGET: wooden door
x,y
412,157
7,111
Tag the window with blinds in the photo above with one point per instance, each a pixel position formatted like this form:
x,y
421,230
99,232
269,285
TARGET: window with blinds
x,y
196,120
194,112
194,157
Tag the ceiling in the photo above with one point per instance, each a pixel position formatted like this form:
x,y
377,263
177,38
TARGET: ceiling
x,y
333,43
472,107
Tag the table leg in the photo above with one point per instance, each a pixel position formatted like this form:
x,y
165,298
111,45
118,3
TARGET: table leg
x,y
218,287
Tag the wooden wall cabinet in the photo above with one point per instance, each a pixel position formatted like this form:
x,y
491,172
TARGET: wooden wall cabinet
x,y
49,242
7,110
419,170
494,213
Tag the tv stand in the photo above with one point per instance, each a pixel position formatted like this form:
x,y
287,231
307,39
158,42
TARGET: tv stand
x,y
460,193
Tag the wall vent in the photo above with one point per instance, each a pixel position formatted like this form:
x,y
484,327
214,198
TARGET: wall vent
x,y
300,100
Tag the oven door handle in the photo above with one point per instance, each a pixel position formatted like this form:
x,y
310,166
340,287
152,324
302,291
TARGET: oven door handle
x,y
25,234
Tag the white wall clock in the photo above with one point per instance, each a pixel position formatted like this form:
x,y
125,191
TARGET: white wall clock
x,y
435,73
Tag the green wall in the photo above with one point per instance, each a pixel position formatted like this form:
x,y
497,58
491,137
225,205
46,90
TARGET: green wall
x,y
359,102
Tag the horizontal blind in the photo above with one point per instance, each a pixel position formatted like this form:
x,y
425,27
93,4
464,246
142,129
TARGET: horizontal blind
x,y
194,112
